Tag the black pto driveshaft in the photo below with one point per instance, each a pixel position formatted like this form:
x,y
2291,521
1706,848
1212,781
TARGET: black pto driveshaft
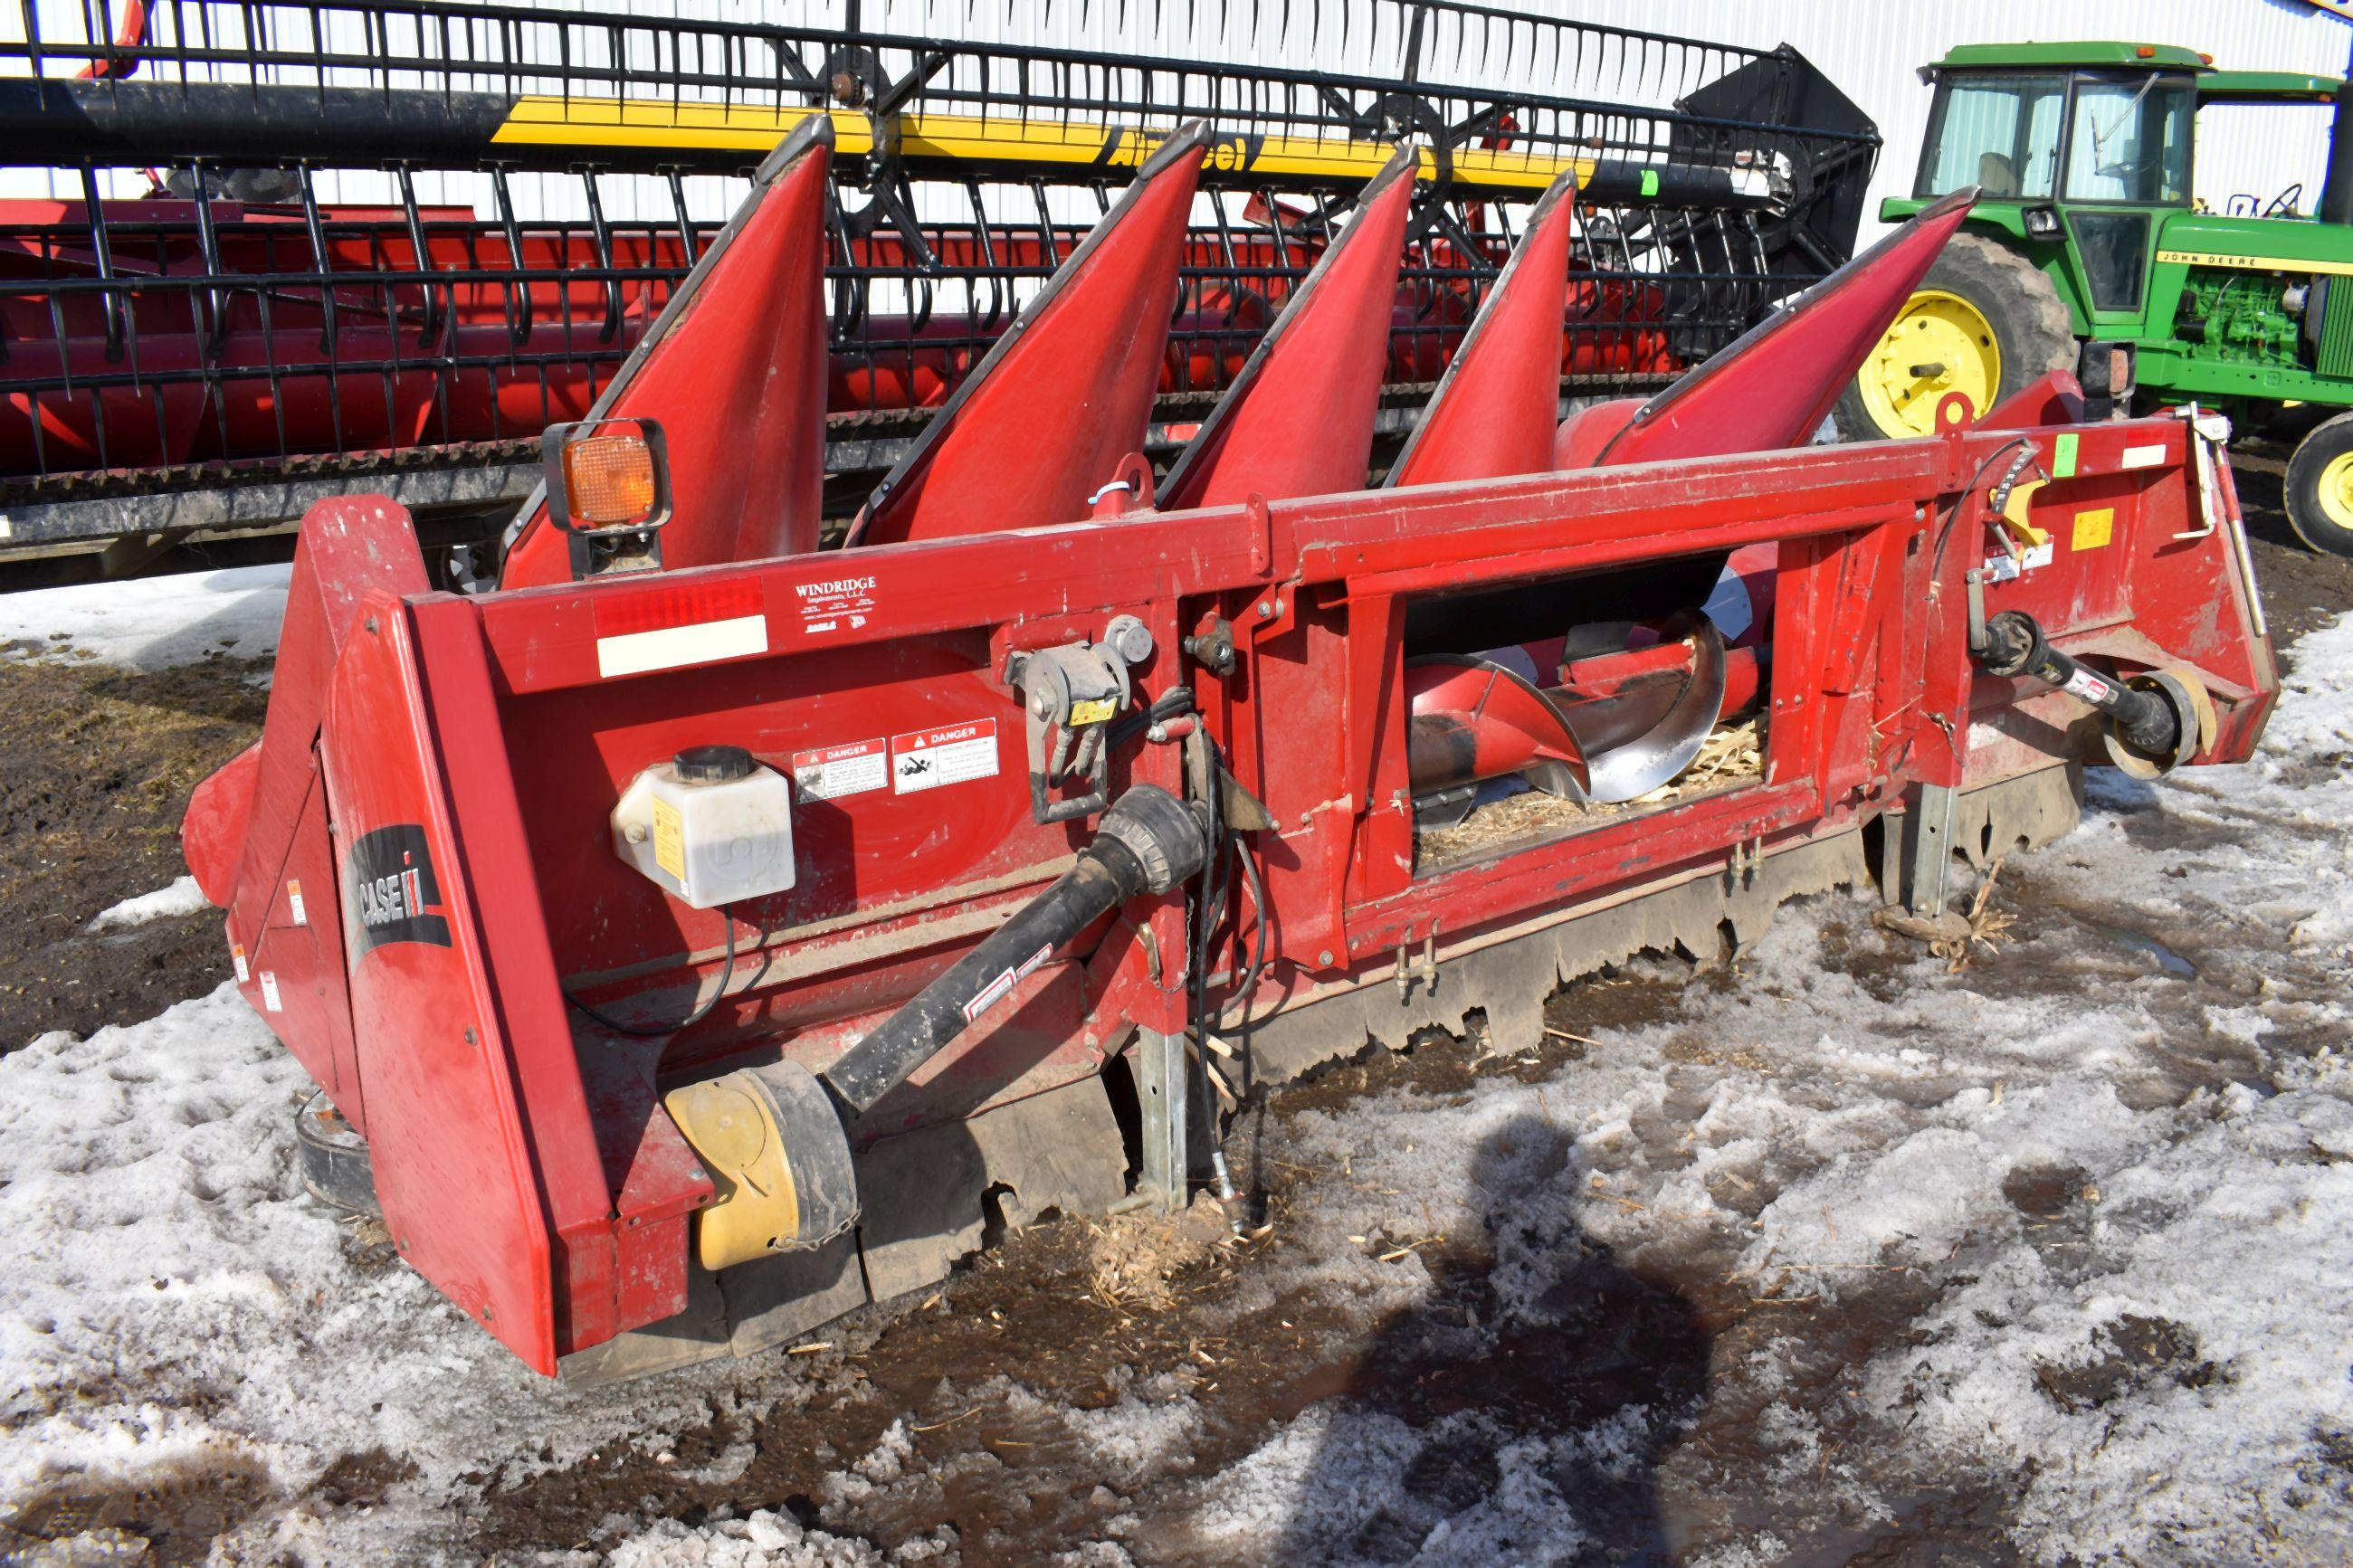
x,y
1150,842
2153,717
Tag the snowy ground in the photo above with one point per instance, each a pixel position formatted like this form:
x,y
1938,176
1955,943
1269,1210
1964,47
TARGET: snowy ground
x,y
2059,1243
151,623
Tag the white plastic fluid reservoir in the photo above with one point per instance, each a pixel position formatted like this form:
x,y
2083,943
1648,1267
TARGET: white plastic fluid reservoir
x,y
711,825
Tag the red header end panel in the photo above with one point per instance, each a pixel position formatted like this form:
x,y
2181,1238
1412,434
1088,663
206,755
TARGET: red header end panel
x,y
2142,564
254,832
478,1128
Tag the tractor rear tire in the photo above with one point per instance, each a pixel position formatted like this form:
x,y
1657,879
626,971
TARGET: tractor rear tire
x,y
2319,488
2016,307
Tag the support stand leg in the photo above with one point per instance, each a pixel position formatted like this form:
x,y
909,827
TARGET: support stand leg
x,y
1162,1081
1930,831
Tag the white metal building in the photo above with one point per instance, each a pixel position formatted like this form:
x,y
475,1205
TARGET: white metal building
x,y
1871,48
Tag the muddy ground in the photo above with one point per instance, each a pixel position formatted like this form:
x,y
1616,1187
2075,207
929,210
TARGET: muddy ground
x,y
94,776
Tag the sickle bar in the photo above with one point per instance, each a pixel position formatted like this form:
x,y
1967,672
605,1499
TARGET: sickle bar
x,y
735,371
1067,393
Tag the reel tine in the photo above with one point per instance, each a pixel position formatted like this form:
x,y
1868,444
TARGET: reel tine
x,y
735,366
1495,407
1298,420
1775,387
1063,397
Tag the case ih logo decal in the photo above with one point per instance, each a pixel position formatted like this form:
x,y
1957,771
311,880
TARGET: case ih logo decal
x,y
393,897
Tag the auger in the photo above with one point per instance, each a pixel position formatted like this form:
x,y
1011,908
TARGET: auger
x,y
724,922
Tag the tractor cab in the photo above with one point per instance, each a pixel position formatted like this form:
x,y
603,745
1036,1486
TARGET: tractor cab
x,y
2083,146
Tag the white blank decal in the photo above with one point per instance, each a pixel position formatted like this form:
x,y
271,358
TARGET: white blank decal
x,y
634,653
2142,458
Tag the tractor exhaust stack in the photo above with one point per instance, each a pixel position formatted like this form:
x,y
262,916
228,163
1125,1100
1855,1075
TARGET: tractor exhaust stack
x,y
2337,190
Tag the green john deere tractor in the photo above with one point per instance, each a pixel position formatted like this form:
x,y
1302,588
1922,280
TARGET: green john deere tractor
x,y
2086,233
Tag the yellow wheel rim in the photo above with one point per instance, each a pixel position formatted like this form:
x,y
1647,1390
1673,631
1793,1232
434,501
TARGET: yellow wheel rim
x,y
2337,491
1940,343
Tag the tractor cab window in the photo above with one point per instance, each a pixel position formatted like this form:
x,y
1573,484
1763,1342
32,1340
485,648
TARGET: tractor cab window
x,y
1999,132
2130,141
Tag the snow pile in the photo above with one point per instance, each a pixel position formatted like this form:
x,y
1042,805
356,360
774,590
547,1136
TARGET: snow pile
x,y
183,897
1341,1475
2192,1389
766,1539
151,623
1126,1440
763,1539
172,1308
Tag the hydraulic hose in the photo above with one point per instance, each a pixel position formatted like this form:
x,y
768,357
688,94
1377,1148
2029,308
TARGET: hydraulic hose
x,y
1149,843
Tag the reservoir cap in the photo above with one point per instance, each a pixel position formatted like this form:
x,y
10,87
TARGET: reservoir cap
x,y
712,764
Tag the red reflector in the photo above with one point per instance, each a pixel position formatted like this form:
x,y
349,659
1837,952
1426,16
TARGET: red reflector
x,y
617,614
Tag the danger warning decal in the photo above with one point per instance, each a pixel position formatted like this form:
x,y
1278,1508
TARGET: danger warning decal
x,y
831,771
392,893
927,759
